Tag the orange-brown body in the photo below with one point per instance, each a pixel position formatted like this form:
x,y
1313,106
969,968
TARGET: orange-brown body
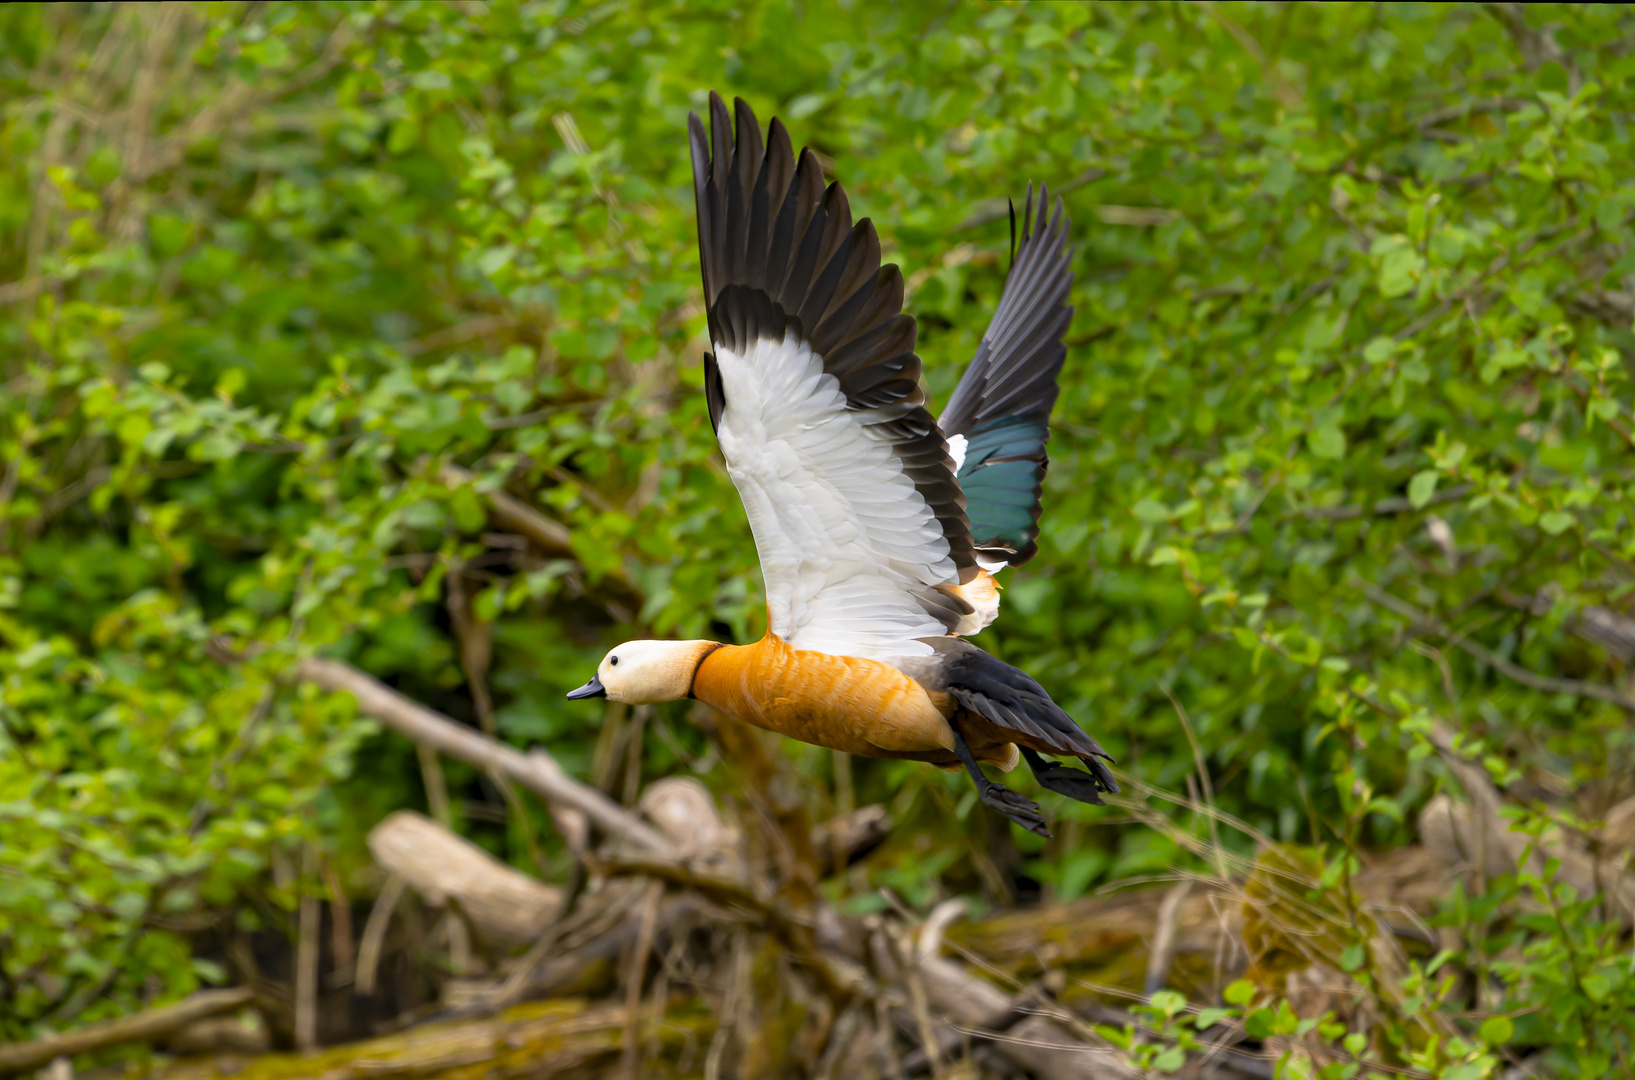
x,y
847,703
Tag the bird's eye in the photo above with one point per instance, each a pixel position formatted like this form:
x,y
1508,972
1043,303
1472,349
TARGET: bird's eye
x,y
613,661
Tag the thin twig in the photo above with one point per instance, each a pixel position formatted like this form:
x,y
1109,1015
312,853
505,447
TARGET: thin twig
x,y
630,1062
1546,683
838,978
1162,954
340,917
736,987
374,934
309,925
1203,777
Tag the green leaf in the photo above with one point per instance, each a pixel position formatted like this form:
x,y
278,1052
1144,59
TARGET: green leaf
x,y
1422,487
1555,522
1328,442
804,105
1169,1060
1399,271
1040,34
1467,1070
1168,1002
103,166
1259,1024
1239,993
1497,1030
1150,511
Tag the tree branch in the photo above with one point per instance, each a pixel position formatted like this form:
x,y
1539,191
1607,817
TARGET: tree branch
x,y
552,537
144,1025
1598,625
536,770
1387,507
1546,683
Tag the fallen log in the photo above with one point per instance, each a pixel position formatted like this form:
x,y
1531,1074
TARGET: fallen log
x,y
1107,941
152,1024
547,1038
506,908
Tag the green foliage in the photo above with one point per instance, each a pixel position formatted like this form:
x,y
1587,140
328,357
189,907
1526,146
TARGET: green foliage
x,y
1349,391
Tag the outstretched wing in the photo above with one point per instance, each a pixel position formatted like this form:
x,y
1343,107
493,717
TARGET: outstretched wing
x,y
998,421
814,391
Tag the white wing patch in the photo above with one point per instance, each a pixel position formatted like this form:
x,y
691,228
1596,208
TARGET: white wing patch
x,y
957,445
844,537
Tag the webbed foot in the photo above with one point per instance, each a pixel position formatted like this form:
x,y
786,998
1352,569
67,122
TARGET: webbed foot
x,y
1019,808
1014,805
1074,783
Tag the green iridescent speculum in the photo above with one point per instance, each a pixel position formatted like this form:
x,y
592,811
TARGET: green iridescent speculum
x,y
1001,495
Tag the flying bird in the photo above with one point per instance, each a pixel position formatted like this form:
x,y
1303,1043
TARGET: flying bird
x,y
879,528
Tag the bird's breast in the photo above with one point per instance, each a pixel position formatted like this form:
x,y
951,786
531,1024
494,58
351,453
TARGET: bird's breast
x,y
847,703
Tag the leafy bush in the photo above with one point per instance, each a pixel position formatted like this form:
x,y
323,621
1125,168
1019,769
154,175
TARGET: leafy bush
x,y
1343,450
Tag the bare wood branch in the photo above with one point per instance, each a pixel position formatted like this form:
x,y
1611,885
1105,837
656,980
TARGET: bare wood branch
x,y
340,919
374,934
838,976
1387,507
1464,109
1162,954
431,776
514,515
570,1037
629,1060
306,974
144,1025
458,334
536,771
1546,683
736,988
1039,1044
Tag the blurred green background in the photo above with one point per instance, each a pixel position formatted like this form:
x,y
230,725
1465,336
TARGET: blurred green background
x,y
1343,449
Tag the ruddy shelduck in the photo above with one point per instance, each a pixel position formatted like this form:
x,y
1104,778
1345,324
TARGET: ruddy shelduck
x,y
879,529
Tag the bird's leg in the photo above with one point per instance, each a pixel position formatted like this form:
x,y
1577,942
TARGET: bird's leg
x,y
1019,808
1073,783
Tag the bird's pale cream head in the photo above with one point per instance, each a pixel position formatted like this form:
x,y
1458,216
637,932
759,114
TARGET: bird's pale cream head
x,y
646,672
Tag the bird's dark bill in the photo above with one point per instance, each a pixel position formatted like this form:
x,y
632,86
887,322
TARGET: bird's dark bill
x,y
594,688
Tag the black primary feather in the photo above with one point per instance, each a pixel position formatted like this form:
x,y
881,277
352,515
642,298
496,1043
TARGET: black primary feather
x,y
1002,404
780,254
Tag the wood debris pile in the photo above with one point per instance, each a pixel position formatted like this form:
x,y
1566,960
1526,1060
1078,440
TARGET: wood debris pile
x,y
692,944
